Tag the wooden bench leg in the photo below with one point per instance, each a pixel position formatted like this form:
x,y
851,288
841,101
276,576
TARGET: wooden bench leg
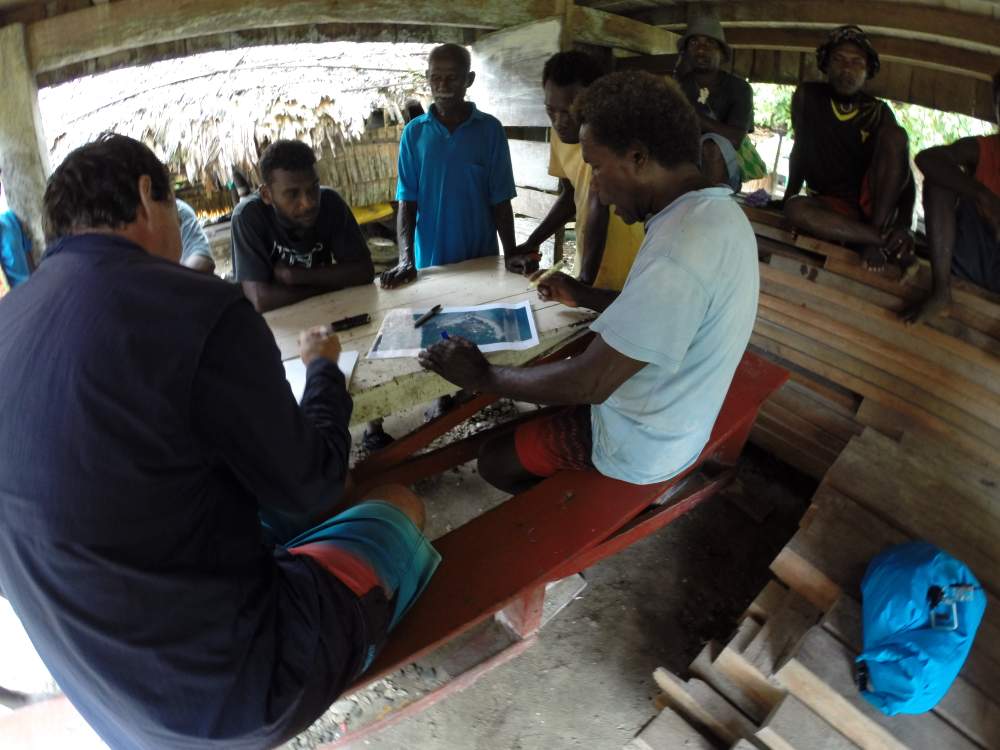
x,y
524,615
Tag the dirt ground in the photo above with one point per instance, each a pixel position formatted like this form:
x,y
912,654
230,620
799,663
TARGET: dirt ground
x,y
587,682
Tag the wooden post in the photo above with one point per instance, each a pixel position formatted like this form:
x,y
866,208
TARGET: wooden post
x,y
23,155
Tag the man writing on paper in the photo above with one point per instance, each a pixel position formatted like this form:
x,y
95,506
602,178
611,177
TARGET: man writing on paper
x,y
295,239
605,245
642,399
159,486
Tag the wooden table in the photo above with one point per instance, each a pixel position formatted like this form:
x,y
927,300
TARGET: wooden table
x,y
383,386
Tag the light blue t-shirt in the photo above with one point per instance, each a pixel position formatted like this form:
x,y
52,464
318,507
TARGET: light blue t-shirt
x,y
15,247
456,179
687,309
194,241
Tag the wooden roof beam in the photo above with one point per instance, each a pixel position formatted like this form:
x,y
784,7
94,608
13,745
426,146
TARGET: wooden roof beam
x,y
923,19
914,52
113,27
610,30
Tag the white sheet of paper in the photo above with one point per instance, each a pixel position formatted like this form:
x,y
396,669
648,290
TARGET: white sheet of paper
x,y
295,372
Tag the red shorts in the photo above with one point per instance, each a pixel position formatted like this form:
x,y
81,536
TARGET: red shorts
x,y
860,210
555,442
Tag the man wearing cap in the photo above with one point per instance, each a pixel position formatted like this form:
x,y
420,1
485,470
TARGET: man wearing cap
x,y
724,102
853,157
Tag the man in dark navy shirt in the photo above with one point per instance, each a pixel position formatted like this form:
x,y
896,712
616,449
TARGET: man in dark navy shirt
x,y
296,239
158,483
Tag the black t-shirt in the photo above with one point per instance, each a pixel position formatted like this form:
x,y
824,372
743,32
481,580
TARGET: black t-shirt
x,y
836,149
261,239
729,100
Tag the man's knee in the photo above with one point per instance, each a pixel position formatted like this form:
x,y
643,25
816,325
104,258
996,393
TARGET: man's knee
x,y
403,498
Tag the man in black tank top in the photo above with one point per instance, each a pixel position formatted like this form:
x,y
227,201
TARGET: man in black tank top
x,y
853,157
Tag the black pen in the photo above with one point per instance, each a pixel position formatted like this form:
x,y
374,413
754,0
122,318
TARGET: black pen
x,y
352,322
427,316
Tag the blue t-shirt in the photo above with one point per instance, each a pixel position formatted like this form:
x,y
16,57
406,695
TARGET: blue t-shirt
x,y
14,249
456,179
687,309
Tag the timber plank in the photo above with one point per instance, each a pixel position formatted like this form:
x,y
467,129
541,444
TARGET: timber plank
x,y
800,422
820,674
885,325
928,421
863,364
816,409
843,400
704,667
829,557
900,364
879,475
964,706
762,692
668,731
780,633
785,449
792,726
112,27
701,706
766,602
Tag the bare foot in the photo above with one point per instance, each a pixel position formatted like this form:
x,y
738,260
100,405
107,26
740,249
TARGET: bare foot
x,y
874,258
925,309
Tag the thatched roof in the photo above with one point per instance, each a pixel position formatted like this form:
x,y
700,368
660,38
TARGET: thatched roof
x,y
205,113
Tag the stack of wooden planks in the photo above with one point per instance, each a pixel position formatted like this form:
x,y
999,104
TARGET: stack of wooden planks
x,y
835,325
901,425
784,681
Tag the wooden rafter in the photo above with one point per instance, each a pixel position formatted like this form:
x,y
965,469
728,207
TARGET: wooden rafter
x,y
942,23
104,29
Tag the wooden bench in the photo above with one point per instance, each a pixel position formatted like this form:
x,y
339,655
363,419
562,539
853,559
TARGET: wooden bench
x,y
495,568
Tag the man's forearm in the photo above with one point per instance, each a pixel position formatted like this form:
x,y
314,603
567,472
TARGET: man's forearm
x,y
562,211
941,170
266,295
332,278
598,300
503,217
595,235
406,228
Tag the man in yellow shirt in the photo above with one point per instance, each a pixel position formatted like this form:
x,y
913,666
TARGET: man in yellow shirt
x,y
605,245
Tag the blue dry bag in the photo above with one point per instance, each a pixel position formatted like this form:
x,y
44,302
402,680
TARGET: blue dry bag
x,y
920,611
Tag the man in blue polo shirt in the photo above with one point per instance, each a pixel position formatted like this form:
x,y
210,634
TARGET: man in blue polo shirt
x,y
455,177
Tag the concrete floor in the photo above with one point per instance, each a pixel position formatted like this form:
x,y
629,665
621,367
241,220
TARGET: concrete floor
x,y
587,682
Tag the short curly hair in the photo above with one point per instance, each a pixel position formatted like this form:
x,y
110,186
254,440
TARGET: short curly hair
x,y
634,106
567,68
293,156
97,185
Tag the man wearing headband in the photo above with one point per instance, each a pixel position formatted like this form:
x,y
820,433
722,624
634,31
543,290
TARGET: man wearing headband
x,y
853,157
